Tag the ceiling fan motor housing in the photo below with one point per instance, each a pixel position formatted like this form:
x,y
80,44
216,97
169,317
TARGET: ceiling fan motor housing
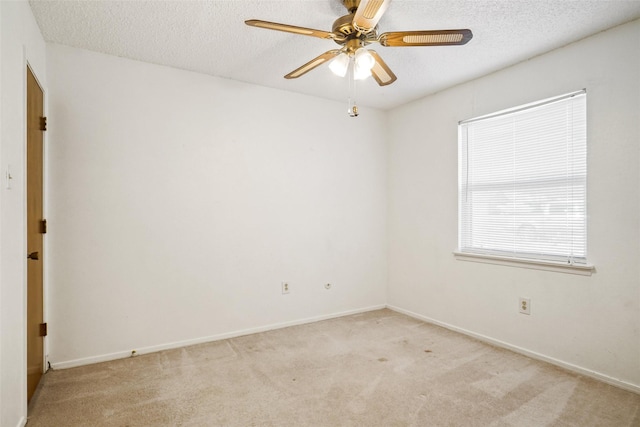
x,y
354,39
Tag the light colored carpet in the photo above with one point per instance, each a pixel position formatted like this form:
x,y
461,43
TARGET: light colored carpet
x,y
374,369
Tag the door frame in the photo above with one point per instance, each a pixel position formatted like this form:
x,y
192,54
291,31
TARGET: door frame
x,y
28,67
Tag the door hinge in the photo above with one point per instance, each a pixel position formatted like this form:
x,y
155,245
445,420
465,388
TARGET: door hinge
x,y
43,329
43,123
43,226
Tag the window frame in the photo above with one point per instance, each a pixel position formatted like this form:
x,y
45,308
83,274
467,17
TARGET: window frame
x,y
516,259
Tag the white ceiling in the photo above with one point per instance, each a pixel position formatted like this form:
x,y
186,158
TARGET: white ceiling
x,y
210,37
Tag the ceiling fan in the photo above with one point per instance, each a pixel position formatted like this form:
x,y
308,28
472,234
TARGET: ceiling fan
x,y
358,29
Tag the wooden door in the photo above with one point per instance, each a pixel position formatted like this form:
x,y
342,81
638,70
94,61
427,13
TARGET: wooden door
x,y
35,224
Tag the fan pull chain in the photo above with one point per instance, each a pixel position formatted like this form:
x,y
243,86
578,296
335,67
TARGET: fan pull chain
x,y
352,108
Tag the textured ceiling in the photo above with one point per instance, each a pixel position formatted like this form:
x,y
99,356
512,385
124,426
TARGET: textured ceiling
x,y
210,37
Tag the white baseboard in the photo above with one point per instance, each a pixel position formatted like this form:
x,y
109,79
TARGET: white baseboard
x,y
22,422
532,354
178,344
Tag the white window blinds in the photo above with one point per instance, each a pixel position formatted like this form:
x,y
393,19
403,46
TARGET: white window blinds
x,y
522,182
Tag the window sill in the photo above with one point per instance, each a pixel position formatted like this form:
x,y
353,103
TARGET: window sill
x,y
580,269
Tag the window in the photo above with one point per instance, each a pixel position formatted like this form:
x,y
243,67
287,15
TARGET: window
x,y
522,182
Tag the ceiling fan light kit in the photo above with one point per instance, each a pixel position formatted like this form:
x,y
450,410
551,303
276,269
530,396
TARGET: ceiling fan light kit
x,y
356,30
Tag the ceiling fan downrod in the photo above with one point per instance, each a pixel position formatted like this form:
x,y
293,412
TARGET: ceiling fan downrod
x,y
351,5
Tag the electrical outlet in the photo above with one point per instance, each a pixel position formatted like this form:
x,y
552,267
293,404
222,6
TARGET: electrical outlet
x,y
525,305
285,288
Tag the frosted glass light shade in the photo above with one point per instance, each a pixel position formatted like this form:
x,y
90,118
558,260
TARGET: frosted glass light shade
x,y
364,59
339,65
360,72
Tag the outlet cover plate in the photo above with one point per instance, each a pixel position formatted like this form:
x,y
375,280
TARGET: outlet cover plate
x,y
525,305
285,288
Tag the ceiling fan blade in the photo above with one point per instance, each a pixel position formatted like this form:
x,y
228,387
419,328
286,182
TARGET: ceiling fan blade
x,y
318,60
293,29
426,38
369,13
381,71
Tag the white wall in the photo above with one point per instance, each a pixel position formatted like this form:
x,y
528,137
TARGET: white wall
x,y
179,202
590,322
20,42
